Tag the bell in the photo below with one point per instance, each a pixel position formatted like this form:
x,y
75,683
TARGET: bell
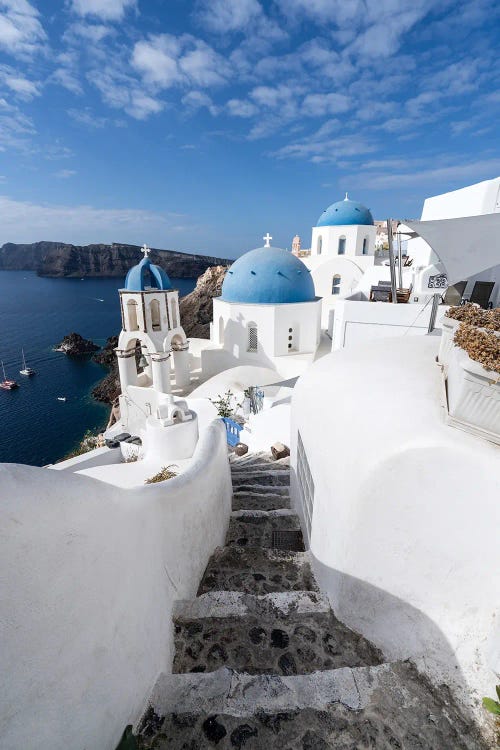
x,y
143,362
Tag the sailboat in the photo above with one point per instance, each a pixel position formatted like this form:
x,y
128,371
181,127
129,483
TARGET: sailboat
x,y
26,370
7,385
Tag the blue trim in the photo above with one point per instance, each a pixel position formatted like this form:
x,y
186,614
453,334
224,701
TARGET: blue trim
x,y
233,430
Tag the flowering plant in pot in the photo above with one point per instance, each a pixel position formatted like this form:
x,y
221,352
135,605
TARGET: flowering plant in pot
x,y
474,377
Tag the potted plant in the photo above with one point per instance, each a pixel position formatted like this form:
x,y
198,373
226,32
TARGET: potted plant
x,y
470,314
474,378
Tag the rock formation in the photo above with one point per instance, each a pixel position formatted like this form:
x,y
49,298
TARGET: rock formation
x,y
60,259
197,308
75,345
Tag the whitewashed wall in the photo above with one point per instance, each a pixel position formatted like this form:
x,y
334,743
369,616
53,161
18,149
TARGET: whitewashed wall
x,y
88,575
405,514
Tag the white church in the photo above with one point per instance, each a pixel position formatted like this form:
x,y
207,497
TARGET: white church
x,y
121,589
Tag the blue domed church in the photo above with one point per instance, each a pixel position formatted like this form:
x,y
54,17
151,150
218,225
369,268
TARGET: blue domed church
x,y
267,314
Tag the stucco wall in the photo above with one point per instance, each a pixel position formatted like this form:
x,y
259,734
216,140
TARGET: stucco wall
x,y
405,515
88,575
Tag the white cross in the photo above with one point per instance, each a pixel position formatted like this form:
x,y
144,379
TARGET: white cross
x,y
267,239
146,250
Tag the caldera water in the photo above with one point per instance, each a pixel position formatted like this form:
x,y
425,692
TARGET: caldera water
x,y
35,314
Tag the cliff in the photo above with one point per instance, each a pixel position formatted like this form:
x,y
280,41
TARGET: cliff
x,y
75,345
196,308
59,259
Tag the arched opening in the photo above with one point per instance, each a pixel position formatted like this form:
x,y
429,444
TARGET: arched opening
x,y
133,323
221,330
341,245
365,246
336,284
253,339
319,246
173,311
154,309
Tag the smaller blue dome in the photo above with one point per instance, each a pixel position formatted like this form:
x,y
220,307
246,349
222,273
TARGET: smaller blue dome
x,y
145,275
268,276
344,213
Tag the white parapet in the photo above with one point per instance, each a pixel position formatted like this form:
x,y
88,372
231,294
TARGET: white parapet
x,y
89,576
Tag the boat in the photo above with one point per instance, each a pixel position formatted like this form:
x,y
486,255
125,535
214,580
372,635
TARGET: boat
x,y
29,371
61,398
6,384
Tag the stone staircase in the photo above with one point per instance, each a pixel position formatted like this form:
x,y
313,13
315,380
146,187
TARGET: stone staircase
x,y
261,661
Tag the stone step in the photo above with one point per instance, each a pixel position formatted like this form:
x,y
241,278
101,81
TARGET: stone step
x,y
254,528
381,707
257,458
262,489
275,634
276,466
259,501
257,571
261,478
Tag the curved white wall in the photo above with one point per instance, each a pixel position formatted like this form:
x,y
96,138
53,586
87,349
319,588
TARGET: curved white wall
x,y
88,575
406,515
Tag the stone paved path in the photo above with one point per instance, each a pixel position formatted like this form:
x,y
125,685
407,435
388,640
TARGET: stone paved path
x,y
261,662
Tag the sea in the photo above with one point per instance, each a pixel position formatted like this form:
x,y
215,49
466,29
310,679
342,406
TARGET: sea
x,y
35,314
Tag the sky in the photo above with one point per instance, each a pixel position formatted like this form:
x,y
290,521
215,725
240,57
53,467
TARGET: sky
x,y
200,126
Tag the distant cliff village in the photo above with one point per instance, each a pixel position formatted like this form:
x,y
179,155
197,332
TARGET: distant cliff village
x,y
60,259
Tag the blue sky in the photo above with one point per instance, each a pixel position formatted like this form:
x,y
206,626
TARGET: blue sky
x,y
200,126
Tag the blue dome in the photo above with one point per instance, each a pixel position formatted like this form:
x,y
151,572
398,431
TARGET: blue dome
x,y
344,213
268,276
145,275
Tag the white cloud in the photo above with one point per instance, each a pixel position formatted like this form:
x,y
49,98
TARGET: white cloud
x,y
318,105
241,108
195,100
23,221
454,174
122,91
322,148
229,15
18,84
16,129
107,10
164,61
64,174
87,118
21,33
67,79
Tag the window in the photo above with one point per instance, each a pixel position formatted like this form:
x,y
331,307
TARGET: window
x,y
133,324
306,484
365,246
341,245
320,245
336,284
253,341
155,315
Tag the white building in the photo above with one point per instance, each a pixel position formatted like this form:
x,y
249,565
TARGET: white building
x,y
150,320
342,248
474,200
268,315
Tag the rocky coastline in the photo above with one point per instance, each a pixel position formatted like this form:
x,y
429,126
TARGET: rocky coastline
x,y
59,259
75,345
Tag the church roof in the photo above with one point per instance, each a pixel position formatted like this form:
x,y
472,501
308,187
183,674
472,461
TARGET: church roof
x,y
268,276
344,213
145,275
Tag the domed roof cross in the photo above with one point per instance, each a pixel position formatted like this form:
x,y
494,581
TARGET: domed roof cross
x,y
146,250
267,238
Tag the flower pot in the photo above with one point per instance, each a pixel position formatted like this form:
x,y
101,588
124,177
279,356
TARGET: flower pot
x,y
449,326
473,392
